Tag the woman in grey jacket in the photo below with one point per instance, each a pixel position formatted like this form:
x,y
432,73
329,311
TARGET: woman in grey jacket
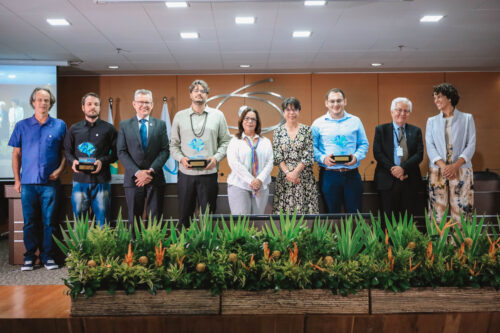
x,y
450,139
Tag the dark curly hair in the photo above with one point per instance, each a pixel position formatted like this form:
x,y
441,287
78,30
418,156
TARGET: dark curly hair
x,y
292,101
240,122
448,90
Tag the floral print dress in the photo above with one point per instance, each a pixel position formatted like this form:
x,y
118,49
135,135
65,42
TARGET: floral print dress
x,y
288,196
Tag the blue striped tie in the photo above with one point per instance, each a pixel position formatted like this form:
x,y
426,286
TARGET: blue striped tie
x,y
144,134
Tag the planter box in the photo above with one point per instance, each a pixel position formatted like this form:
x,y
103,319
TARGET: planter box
x,y
143,303
443,299
310,301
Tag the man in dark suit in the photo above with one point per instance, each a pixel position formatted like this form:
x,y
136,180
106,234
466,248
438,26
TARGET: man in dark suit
x,y
398,149
142,147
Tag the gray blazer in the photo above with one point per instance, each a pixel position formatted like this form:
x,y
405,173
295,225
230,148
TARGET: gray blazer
x,y
463,133
134,157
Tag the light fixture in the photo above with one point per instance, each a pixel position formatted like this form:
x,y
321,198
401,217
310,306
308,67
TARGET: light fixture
x,y
58,22
176,4
245,66
113,67
244,20
11,76
376,64
189,35
314,3
431,18
301,34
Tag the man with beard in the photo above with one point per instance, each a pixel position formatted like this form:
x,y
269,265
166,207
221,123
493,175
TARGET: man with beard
x,y
96,139
200,137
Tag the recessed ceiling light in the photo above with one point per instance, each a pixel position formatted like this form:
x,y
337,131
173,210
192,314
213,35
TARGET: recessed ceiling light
x,y
11,76
301,34
376,64
431,18
244,20
245,66
58,22
176,4
113,67
314,3
189,35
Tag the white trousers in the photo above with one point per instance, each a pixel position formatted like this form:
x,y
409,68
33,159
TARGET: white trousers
x,y
242,202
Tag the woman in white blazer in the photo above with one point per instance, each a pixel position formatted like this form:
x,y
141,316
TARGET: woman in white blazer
x,y
450,139
250,157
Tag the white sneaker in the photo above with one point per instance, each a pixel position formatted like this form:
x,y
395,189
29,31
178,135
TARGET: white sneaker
x,y
51,264
28,265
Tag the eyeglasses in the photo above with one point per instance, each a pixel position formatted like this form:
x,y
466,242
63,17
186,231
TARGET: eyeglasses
x,y
402,111
144,103
250,119
292,110
333,101
199,91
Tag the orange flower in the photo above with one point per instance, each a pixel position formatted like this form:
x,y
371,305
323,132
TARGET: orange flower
x,y
179,261
295,254
250,264
317,267
412,268
447,225
129,257
461,251
473,270
391,259
430,256
267,251
160,253
493,247
386,238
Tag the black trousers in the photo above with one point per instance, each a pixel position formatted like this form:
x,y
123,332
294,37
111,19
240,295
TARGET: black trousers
x,y
398,200
192,189
151,195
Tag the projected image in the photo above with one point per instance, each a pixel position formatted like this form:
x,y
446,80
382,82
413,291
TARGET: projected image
x,y
16,85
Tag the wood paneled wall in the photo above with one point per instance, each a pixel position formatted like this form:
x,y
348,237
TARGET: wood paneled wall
x,y
368,96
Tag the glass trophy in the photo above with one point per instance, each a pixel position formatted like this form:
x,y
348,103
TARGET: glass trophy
x,y
86,164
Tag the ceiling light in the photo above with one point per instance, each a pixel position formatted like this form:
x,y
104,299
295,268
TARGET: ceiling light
x,y
314,3
113,67
376,64
245,66
301,34
431,18
244,20
189,35
58,22
176,4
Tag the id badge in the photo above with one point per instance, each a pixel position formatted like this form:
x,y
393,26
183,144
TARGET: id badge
x,y
399,151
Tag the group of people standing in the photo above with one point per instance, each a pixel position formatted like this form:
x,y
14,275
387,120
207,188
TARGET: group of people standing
x,y
200,139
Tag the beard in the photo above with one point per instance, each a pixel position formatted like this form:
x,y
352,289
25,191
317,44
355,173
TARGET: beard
x,y
93,116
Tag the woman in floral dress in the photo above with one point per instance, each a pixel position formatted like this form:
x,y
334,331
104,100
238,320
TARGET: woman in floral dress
x,y
296,187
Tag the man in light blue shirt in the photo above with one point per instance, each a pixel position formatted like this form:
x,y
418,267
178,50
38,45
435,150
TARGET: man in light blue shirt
x,y
338,133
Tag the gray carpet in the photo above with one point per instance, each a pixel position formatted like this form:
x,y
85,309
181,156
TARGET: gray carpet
x,y
12,274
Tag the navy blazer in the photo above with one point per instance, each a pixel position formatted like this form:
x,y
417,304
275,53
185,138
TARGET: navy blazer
x,y
134,157
383,151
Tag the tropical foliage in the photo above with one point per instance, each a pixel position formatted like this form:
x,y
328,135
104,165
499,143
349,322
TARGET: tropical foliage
x,y
342,256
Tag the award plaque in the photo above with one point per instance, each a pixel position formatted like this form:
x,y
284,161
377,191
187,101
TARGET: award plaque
x,y
342,158
198,163
86,164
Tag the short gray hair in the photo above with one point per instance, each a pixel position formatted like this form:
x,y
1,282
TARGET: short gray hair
x,y
143,92
401,100
199,83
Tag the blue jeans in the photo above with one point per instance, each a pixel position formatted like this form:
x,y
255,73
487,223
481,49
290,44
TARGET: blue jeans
x,y
39,204
97,196
342,187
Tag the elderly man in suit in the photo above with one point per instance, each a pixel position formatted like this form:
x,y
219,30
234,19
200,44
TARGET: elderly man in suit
x,y
398,149
142,147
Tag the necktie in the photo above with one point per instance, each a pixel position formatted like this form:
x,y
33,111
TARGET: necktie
x,y
144,133
403,145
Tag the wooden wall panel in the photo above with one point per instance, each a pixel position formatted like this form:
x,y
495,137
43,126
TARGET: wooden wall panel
x,y
418,88
479,95
362,101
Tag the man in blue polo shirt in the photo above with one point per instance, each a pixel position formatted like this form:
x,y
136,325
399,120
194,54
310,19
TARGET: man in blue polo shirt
x,y
38,143
338,133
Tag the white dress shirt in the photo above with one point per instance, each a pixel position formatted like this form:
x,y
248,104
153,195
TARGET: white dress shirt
x,y
240,161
